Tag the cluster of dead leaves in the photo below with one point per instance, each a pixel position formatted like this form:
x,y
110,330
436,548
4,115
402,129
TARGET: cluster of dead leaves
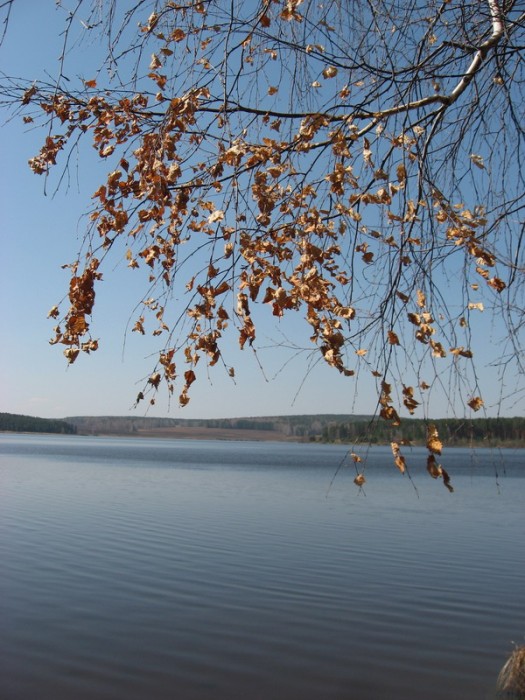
x,y
434,447
174,179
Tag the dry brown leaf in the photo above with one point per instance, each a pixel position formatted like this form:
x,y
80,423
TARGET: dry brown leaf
x,y
497,284
155,62
477,160
189,377
446,480
393,338
475,403
434,444
71,354
433,468
330,72
184,399
217,215
400,463
461,351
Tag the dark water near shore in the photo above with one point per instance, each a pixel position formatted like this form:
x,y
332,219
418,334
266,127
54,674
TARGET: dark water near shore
x,y
160,569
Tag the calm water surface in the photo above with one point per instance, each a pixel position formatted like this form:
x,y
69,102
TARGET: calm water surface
x,y
160,569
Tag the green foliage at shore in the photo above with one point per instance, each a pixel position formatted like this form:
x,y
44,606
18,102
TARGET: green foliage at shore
x,y
452,431
31,424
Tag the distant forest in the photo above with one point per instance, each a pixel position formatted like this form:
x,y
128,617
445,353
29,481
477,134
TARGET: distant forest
x,y
452,431
302,427
327,428
347,429
30,424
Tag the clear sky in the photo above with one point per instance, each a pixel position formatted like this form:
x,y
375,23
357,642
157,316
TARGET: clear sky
x,y
41,231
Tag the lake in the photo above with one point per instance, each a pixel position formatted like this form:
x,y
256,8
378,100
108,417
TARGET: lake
x,y
138,569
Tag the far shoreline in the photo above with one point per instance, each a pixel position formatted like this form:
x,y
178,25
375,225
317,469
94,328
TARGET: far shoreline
x,y
243,435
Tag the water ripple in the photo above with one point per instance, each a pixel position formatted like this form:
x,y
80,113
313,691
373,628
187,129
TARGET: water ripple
x,y
138,571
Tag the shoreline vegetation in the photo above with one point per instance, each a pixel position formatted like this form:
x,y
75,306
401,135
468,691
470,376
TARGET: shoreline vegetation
x,y
323,428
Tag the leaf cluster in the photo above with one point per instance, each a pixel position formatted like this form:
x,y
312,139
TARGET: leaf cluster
x,y
307,159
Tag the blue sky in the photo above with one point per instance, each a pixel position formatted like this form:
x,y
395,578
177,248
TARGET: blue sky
x,y
43,231
40,232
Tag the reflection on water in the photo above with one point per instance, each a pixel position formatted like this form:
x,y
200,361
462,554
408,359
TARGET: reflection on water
x,y
143,569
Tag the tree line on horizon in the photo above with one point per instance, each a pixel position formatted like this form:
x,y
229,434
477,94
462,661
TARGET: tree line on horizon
x,y
12,422
300,426
339,162
453,431
315,428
